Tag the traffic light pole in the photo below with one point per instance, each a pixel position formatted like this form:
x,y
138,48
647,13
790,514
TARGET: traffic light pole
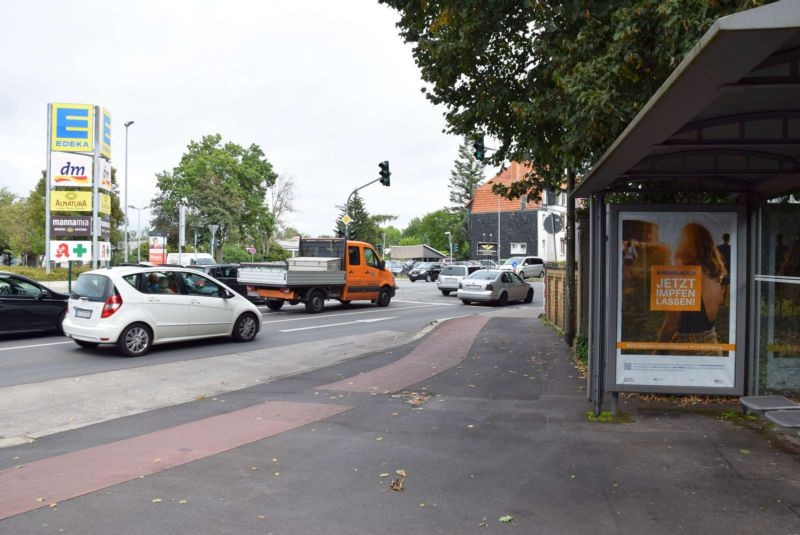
x,y
347,206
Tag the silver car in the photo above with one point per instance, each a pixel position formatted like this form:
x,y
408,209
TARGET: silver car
x,y
494,286
452,275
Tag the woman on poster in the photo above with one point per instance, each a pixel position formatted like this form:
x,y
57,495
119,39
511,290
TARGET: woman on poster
x,y
629,254
696,248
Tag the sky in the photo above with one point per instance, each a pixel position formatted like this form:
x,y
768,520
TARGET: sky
x,y
327,89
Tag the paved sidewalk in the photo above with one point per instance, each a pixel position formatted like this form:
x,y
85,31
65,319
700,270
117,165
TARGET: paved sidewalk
x,y
499,432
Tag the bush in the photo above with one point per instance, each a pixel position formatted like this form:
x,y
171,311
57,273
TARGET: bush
x,y
39,274
582,348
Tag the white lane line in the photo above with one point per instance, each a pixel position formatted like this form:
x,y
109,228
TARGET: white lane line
x,y
34,345
427,303
371,311
336,324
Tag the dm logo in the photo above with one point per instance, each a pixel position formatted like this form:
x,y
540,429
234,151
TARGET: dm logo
x,y
72,127
69,169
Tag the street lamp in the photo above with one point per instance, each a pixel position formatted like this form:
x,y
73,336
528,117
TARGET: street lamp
x,y
450,242
126,189
138,233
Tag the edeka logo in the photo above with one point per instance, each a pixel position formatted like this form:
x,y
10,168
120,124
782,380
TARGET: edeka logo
x,y
105,140
71,201
72,127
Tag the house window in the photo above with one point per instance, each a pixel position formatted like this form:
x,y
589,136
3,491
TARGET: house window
x,y
519,248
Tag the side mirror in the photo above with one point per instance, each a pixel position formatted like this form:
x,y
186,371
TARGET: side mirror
x,y
382,264
226,294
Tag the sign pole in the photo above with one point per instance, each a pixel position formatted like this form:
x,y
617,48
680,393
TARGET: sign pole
x,y
95,188
47,179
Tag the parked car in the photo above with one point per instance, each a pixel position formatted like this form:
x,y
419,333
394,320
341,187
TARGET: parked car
x,y
494,286
228,275
396,266
489,264
451,276
427,271
525,266
136,307
28,306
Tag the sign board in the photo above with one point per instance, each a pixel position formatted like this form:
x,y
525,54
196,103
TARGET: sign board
x,y
487,249
69,169
77,201
105,227
553,223
105,174
251,250
71,225
158,250
105,133
676,280
70,251
72,127
346,219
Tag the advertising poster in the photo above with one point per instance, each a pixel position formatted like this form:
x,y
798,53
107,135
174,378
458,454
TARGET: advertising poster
x,y
70,251
72,127
677,299
158,250
487,249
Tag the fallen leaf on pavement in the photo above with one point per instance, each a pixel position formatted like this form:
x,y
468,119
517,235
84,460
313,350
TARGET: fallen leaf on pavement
x,y
156,500
506,519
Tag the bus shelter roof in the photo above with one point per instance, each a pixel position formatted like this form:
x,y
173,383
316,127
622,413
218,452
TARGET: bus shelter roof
x,y
726,120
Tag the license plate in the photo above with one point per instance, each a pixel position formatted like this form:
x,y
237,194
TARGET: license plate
x,y
473,287
83,313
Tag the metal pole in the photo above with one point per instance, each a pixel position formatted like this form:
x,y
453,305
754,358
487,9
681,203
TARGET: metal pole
x,y
498,231
96,189
47,194
127,201
569,313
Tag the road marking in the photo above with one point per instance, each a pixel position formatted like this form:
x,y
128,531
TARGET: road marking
x,y
371,311
427,303
373,320
34,345
56,479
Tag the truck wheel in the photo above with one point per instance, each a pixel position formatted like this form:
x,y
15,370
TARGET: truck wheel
x,y
315,303
384,298
274,304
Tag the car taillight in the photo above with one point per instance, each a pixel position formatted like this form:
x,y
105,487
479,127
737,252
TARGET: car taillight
x,y
489,288
111,305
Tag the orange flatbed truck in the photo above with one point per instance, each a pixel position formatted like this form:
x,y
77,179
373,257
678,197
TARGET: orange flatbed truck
x,y
326,268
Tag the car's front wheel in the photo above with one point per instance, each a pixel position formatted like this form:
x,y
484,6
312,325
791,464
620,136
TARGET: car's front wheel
x,y
60,323
246,328
529,296
445,292
135,340
466,301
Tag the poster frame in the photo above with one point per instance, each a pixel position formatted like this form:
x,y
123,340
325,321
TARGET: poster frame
x,y
613,262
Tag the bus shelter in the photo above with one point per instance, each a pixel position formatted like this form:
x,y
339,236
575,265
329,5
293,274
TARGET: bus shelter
x,y
695,223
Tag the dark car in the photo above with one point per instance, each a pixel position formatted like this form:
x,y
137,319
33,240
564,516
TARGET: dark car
x,y
427,271
227,274
27,306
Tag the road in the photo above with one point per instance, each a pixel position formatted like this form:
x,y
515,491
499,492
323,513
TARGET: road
x,y
49,385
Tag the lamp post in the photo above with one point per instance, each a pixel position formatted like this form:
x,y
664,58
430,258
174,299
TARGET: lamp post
x,y
138,234
450,243
126,188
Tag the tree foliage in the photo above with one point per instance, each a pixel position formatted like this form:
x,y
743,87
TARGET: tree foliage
x,y
552,83
465,177
219,183
431,230
363,226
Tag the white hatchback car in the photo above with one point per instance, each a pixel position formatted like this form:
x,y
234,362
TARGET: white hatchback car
x,y
135,307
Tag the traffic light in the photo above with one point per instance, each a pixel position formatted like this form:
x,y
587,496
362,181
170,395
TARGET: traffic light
x,y
385,174
479,149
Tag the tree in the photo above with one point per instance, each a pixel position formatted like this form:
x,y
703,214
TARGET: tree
x,y
280,201
362,227
222,184
466,175
430,229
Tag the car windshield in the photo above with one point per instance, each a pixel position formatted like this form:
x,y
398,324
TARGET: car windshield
x,y
516,260
424,265
483,274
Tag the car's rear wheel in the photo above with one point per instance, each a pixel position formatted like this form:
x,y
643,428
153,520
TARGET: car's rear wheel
x,y
427,278
274,304
246,328
529,296
83,343
135,340
315,303
445,292
522,274
503,300
466,301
